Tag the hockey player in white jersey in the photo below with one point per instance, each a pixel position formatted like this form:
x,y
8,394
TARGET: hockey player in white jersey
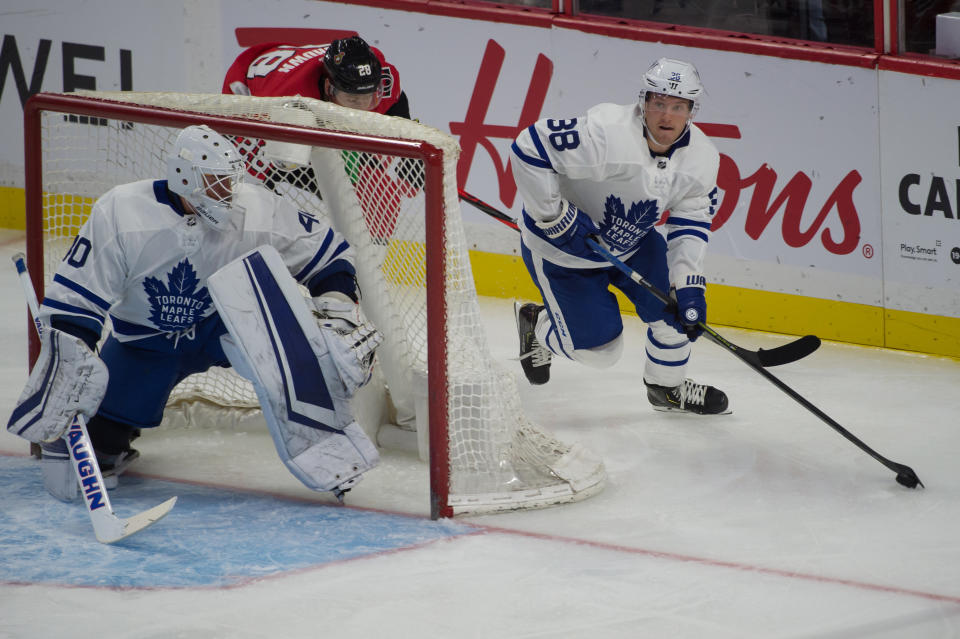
x,y
612,173
147,259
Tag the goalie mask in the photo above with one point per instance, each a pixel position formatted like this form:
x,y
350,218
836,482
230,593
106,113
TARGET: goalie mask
x,y
354,73
673,78
206,171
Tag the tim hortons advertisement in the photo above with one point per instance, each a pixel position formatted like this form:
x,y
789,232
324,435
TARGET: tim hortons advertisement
x,y
802,197
921,194
799,168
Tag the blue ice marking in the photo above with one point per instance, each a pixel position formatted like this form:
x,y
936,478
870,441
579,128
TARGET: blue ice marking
x,y
213,538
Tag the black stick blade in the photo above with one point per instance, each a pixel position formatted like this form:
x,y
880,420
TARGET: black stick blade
x,y
906,477
788,353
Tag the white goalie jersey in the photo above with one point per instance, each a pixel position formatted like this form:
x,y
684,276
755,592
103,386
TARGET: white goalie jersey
x,y
600,162
144,263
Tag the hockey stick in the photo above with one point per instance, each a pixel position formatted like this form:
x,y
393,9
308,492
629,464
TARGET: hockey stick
x,y
785,354
905,474
489,210
797,349
106,525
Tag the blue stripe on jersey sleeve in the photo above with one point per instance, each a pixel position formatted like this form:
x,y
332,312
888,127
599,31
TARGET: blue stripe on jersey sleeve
x,y
83,292
542,162
684,226
319,255
682,221
537,142
693,232
73,310
340,249
122,327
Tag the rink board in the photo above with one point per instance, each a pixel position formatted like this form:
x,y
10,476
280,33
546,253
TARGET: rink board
x,y
505,276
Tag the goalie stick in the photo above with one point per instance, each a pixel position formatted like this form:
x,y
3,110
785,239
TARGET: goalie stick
x,y
785,354
905,474
107,527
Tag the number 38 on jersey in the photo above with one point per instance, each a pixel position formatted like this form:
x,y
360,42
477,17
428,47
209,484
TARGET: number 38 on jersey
x,y
565,135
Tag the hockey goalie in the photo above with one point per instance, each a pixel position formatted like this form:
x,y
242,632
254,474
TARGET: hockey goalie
x,y
197,270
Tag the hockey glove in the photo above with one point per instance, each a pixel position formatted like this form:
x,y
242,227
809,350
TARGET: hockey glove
x,y
691,307
569,231
68,378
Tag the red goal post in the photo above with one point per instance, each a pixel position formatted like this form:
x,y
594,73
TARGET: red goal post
x,y
79,145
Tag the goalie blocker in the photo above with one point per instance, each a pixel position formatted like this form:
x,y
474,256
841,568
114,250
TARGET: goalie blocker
x,y
304,374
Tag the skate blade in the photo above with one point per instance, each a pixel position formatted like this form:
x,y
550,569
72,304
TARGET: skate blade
x,y
684,411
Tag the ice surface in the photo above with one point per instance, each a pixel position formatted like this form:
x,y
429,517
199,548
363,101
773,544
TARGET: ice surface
x,y
764,523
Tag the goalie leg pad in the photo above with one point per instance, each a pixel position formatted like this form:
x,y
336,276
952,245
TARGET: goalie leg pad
x,y
334,459
322,457
274,341
68,378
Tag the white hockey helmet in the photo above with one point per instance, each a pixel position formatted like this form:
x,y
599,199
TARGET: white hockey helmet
x,y
674,78
206,170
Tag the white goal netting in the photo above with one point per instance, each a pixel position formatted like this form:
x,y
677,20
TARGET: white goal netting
x,y
494,457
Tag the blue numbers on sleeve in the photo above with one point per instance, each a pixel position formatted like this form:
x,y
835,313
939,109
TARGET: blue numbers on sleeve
x,y
78,252
565,135
306,220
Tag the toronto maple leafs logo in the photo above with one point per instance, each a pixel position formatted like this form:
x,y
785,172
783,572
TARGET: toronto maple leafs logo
x,y
623,228
176,304
613,208
643,214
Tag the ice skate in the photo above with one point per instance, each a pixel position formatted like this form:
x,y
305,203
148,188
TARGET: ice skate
x,y
534,358
688,397
58,477
112,466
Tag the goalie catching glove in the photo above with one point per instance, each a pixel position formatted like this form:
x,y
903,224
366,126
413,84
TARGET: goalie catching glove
x,y
68,378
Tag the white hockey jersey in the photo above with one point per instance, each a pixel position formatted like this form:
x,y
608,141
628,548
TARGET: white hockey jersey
x,y
601,162
142,261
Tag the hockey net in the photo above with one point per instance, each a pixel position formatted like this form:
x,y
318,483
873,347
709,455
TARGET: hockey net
x,y
376,179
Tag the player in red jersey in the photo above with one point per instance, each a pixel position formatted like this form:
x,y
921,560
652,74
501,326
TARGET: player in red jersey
x,y
344,71
347,72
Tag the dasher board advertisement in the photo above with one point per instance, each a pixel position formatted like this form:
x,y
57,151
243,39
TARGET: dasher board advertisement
x,y
921,193
834,188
